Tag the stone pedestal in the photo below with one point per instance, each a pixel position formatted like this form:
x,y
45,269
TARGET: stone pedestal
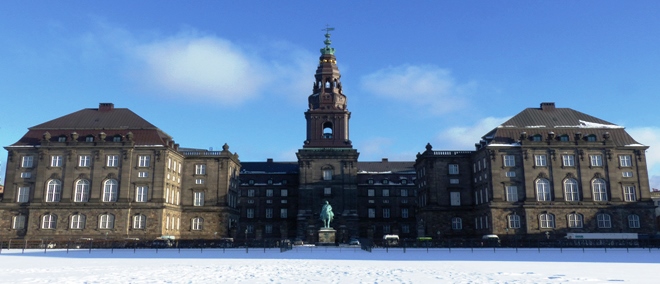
x,y
327,236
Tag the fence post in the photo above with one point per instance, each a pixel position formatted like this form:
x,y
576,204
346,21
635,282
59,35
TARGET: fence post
x,y
25,246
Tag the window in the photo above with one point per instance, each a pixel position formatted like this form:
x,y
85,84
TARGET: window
x,y
568,160
284,192
23,194
633,221
591,138
250,193
540,160
106,221
139,222
604,221
453,169
269,213
199,181
511,193
404,181
563,138
250,213
513,221
571,192
386,212
143,174
269,229
84,161
456,223
627,174
141,193
455,198
112,161
629,193
370,181
55,161
404,193
386,229
116,139
144,161
327,191
404,213
537,138
386,192
26,175
546,221
405,229
509,161
511,174
284,213
625,161
200,169
372,212
371,192
110,190
327,174
49,221
575,220
61,139
27,161
198,198
599,189
78,222
269,192
596,160
453,181
89,139
543,190
53,190
81,193
18,222
197,224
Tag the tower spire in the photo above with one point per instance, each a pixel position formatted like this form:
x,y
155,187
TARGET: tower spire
x,y
327,49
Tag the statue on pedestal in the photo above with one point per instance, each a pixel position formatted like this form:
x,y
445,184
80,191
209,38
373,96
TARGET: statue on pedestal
x,y
327,214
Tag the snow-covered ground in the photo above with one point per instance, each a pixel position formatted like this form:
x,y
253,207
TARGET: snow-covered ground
x,y
331,265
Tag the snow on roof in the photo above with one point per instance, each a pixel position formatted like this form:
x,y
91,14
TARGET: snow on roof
x,y
587,124
516,144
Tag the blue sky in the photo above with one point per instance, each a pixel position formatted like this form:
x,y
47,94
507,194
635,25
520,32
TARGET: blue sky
x,y
239,72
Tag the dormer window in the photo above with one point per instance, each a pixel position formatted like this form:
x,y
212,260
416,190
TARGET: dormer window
x,y
591,138
563,138
270,181
89,139
537,138
61,139
370,181
116,139
251,182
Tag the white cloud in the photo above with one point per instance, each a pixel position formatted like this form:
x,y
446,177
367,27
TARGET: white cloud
x,y
464,137
374,147
426,86
650,136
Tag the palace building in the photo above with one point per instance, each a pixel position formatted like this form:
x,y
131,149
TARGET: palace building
x,y
108,173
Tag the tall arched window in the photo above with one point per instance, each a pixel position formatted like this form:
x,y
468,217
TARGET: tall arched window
x,y
571,190
106,221
78,221
81,193
49,221
543,190
327,173
546,221
604,221
514,221
110,190
197,224
53,190
599,189
456,223
574,220
139,221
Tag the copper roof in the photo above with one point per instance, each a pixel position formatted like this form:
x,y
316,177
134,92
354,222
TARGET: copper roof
x,y
559,121
92,121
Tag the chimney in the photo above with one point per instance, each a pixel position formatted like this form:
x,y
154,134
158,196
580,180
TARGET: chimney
x,y
269,160
547,106
384,160
103,107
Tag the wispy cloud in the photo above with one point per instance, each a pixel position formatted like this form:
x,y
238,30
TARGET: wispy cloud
x,y
429,87
194,65
464,137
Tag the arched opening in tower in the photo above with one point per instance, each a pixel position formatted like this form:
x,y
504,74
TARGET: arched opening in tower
x,y
327,130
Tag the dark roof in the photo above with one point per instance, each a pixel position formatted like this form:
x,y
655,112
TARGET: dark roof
x,y
560,121
385,166
269,167
92,121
